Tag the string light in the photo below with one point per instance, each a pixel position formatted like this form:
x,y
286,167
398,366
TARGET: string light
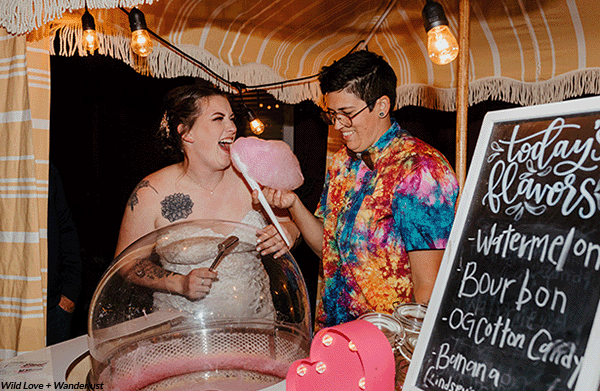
x,y
137,22
256,125
441,43
90,39
218,77
141,44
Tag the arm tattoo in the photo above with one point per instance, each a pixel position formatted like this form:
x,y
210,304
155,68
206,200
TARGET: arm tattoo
x,y
144,268
176,206
133,198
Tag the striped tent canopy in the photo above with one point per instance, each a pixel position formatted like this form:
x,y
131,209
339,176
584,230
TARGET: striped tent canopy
x,y
521,51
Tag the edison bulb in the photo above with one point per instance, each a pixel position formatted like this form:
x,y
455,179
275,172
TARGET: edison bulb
x,y
90,40
441,45
257,126
141,44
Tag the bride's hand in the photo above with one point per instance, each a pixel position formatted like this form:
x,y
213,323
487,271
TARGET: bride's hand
x,y
197,283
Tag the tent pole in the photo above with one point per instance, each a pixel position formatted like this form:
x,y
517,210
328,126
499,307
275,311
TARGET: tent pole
x,y
462,92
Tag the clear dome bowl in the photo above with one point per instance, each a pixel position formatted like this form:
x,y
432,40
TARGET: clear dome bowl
x,y
253,324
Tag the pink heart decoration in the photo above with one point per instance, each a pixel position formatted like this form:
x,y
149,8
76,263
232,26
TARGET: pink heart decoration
x,y
351,356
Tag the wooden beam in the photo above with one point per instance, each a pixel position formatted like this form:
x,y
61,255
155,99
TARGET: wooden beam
x,y
462,92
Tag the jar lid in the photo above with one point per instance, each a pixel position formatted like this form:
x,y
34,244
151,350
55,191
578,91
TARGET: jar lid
x,y
410,315
390,326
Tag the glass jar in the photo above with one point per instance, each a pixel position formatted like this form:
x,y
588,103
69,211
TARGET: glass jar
x,y
244,334
390,326
411,316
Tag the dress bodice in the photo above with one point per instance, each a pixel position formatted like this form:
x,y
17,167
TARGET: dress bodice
x,y
242,281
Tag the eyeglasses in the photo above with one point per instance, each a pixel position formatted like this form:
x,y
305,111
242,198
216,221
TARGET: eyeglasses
x,y
345,120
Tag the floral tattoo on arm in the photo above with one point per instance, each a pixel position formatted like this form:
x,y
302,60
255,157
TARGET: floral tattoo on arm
x,y
144,268
133,198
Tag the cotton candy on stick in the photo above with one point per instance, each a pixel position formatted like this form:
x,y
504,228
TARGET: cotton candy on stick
x,y
270,163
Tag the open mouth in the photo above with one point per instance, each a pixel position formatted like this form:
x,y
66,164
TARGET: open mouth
x,y
347,134
226,143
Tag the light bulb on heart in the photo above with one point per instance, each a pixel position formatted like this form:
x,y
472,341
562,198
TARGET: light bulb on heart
x,y
352,356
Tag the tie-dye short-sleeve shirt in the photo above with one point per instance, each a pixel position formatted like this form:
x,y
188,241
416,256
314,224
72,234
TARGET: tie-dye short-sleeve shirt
x,y
373,218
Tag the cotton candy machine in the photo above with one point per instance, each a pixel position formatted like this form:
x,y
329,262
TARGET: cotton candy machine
x,y
253,324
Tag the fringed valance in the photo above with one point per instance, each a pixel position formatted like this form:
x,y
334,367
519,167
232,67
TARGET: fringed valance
x,y
541,53
23,16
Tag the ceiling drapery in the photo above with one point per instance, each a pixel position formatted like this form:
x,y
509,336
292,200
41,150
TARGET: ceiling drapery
x,y
24,16
521,51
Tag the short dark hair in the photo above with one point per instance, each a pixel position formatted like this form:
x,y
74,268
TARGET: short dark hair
x,y
363,73
183,105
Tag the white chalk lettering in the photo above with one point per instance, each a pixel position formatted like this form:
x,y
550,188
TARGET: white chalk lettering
x,y
591,247
559,352
480,330
471,286
541,297
446,384
575,374
531,191
509,243
464,366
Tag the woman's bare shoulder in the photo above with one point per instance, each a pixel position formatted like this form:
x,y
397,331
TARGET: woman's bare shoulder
x,y
163,179
166,174
155,185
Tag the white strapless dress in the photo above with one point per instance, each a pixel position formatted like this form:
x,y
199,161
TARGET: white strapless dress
x,y
242,289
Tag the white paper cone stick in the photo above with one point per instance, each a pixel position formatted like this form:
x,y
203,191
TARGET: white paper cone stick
x,y
261,197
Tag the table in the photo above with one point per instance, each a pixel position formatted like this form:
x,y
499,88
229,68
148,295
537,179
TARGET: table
x,y
68,362
53,367
42,369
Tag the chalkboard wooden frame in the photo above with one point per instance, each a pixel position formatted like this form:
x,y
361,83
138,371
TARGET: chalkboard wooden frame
x,y
437,323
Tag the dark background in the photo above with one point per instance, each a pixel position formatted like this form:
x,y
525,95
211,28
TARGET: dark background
x,y
103,121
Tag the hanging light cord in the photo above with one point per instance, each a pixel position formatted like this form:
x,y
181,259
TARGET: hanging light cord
x,y
199,64
363,44
238,86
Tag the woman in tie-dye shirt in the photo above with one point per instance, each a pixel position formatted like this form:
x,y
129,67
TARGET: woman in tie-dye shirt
x,y
388,203
374,219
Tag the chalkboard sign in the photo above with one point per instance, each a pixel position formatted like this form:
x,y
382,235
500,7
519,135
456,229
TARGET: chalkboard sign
x,y
516,303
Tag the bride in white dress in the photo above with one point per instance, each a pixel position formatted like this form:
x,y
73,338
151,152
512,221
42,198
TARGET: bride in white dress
x,y
198,128
243,284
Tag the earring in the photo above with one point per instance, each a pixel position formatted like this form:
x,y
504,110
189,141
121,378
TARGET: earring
x,y
164,124
381,114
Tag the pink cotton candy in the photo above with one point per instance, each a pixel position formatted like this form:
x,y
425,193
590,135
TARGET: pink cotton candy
x,y
269,162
